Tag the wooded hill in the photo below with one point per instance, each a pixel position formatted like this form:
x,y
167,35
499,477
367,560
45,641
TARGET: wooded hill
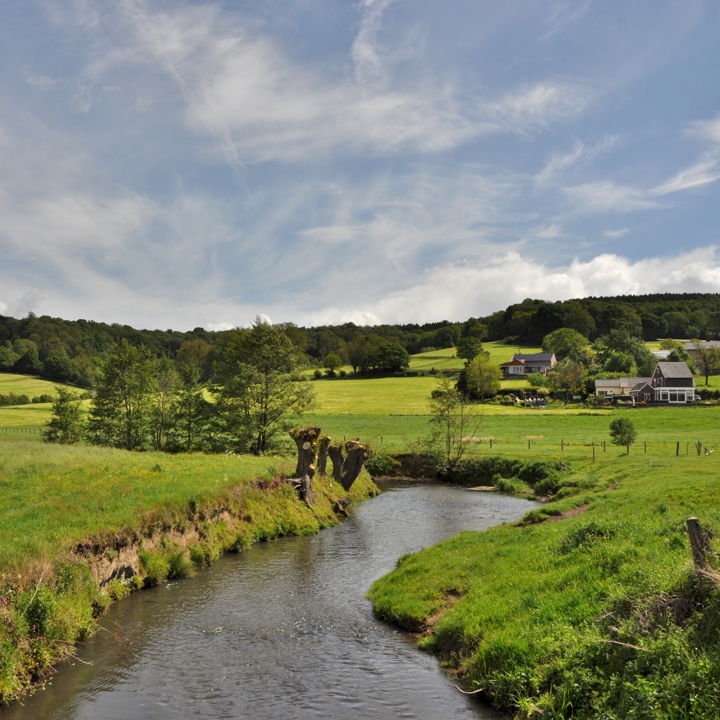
x,y
73,350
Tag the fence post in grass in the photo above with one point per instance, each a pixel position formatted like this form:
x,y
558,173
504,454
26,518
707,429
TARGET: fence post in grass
x,y
603,446
491,443
646,447
677,450
528,443
698,543
562,444
593,447
687,447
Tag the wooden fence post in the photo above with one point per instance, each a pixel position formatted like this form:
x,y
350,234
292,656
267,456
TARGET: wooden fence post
x,y
677,450
698,543
593,447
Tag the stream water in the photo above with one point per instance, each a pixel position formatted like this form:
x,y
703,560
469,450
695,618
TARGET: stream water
x,y
282,631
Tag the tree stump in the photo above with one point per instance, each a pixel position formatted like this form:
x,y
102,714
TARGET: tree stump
x,y
357,454
336,455
306,440
323,455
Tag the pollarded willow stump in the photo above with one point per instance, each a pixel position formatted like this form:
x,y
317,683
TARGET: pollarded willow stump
x,y
357,454
346,471
306,440
323,455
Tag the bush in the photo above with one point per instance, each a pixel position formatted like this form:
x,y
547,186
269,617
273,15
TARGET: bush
x,y
380,463
318,374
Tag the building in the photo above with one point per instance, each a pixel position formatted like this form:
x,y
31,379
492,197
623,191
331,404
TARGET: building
x,y
672,383
618,386
523,365
692,350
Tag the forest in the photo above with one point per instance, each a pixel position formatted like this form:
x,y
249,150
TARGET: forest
x,y
73,351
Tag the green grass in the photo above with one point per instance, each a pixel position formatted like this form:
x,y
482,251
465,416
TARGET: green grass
x,y
61,506
26,385
55,496
548,618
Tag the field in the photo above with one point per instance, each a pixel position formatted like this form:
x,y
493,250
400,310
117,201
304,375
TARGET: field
x,y
599,615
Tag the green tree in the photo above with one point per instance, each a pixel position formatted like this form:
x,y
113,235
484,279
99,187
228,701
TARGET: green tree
x,y
453,424
258,386
708,360
164,403
468,348
121,412
67,424
332,363
358,351
483,377
563,342
566,378
28,363
623,432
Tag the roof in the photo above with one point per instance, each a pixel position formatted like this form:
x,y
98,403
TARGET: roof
x,y
535,357
621,381
514,361
709,345
661,354
674,370
640,386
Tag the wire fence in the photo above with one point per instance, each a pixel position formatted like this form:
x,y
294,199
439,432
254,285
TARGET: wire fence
x,y
20,430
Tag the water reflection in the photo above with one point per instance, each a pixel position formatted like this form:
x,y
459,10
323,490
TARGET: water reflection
x,y
282,631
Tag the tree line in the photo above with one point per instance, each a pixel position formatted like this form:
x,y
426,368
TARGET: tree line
x,y
143,402
74,351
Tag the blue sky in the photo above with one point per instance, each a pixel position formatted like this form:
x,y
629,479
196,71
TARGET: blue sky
x,y
181,164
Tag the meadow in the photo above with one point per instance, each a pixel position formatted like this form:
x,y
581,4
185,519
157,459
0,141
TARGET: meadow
x,y
599,615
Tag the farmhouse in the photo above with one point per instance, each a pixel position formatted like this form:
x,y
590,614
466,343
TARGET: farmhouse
x,y
672,383
523,365
618,386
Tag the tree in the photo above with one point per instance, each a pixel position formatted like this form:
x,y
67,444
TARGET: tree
x,y
563,342
453,424
623,432
332,363
120,414
483,376
28,363
66,425
387,356
358,350
468,347
164,403
708,359
566,378
258,386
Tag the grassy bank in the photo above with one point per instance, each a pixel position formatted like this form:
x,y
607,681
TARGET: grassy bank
x,y
588,609
82,526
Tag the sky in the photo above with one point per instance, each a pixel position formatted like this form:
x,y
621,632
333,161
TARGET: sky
x,y
175,164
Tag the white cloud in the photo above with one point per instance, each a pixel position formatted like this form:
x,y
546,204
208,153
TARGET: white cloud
x,y
702,173
20,307
614,234
241,88
606,196
457,291
580,154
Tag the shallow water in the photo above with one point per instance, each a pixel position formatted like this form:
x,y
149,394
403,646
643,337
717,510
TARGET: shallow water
x,y
282,631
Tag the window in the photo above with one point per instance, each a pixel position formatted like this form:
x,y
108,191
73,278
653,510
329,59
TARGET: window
x,y
673,396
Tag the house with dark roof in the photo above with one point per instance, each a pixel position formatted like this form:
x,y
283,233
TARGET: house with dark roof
x,y
692,348
672,382
523,365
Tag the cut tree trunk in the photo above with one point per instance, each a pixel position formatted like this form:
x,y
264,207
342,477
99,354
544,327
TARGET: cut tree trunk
x,y
323,455
336,455
306,440
357,454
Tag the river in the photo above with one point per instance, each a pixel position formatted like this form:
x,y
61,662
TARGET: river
x,y
282,631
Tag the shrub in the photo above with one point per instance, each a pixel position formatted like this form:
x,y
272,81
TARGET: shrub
x,y
155,566
180,565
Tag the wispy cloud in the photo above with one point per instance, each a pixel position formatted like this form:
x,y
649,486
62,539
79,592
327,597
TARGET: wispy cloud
x,y
606,196
614,234
559,163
